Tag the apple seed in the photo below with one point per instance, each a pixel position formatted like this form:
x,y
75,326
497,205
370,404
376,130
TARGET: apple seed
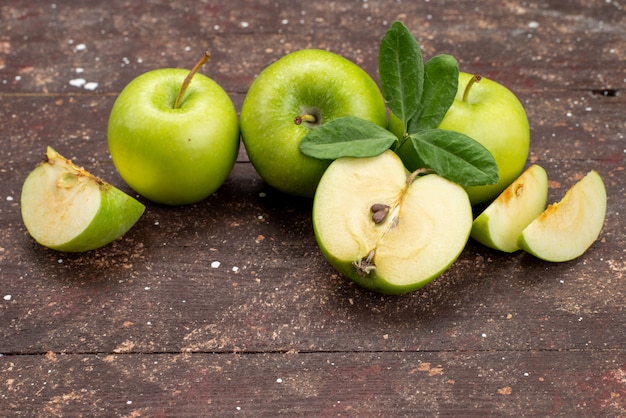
x,y
379,212
376,207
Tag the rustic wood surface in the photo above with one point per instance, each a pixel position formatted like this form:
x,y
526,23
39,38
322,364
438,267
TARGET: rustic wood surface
x,y
147,327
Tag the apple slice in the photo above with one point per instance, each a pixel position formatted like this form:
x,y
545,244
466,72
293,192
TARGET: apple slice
x,y
388,230
501,223
66,208
566,229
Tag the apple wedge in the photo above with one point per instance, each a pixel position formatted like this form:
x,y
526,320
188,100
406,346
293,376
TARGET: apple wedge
x,y
501,223
66,208
566,229
386,229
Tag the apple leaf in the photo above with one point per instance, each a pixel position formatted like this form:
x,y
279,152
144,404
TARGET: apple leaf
x,y
441,81
347,136
456,157
401,69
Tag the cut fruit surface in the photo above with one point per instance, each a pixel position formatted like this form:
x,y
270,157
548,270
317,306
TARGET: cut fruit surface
x,y
501,223
385,230
566,229
66,208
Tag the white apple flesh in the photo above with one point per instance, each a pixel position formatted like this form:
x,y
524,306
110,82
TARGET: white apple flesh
x,y
387,230
66,208
566,229
501,223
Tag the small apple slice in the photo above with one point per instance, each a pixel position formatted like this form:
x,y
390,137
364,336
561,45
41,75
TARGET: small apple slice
x,y
501,223
388,230
566,229
66,208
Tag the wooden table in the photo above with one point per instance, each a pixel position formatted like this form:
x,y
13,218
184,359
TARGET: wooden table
x,y
151,325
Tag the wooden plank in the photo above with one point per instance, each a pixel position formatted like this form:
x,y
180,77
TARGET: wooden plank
x,y
156,289
452,383
525,46
152,326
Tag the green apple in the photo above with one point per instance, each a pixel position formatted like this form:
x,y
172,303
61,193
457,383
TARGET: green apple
x,y
501,223
566,229
293,95
492,115
66,208
387,229
173,139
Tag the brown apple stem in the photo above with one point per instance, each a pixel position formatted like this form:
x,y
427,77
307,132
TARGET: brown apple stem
x,y
475,79
304,118
193,72
419,171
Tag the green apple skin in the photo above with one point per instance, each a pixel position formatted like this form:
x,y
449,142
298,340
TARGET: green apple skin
x,y
493,116
67,209
173,156
566,229
501,223
424,232
308,81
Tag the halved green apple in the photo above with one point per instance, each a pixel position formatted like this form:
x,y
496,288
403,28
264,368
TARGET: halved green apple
x,y
501,223
566,229
386,229
66,208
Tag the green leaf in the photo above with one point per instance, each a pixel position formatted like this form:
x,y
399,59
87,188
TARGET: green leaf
x,y
401,71
347,136
441,81
456,157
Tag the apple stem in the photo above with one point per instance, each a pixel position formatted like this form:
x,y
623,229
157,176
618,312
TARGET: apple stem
x,y
398,144
304,118
417,173
193,72
475,79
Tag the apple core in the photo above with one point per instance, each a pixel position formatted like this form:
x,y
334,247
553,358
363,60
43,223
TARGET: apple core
x,y
386,229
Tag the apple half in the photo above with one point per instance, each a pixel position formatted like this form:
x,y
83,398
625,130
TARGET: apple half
x,y
66,208
566,229
386,229
501,223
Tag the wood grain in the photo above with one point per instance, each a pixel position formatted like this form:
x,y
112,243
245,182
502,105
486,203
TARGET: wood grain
x,y
227,307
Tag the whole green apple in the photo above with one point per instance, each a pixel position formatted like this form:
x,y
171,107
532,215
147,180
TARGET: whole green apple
x,y
386,229
492,115
300,91
173,150
66,208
